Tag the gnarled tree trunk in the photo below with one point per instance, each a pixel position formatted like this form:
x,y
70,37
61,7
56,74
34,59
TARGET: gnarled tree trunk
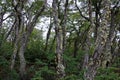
x,y
22,35
100,55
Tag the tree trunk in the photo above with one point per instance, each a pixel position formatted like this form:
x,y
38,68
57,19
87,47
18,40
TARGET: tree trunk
x,y
23,43
100,52
97,18
88,40
1,23
15,51
48,35
64,21
22,35
59,42
1,20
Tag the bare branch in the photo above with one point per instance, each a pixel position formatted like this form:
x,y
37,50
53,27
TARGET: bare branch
x,y
81,11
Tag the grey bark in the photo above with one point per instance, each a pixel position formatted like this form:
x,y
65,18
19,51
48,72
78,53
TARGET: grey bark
x,y
88,40
59,42
64,21
100,52
22,35
48,34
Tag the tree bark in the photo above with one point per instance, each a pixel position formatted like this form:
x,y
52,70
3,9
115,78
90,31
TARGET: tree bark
x,y
100,52
48,35
22,35
59,42
88,40
23,43
64,21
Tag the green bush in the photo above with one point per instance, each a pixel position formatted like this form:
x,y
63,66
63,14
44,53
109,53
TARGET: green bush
x,y
71,77
13,75
44,74
107,74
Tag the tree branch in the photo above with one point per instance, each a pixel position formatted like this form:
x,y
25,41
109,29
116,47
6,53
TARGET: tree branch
x,y
81,11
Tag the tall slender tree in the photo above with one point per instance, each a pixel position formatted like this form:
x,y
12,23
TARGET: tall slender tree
x,y
59,41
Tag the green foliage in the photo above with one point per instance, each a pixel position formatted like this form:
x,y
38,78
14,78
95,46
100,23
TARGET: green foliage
x,y
35,46
74,16
116,61
92,49
44,74
13,75
9,75
3,62
5,72
6,49
85,26
70,64
36,5
41,63
107,74
71,77
5,55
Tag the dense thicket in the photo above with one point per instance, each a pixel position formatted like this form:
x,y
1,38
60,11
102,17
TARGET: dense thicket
x,y
59,40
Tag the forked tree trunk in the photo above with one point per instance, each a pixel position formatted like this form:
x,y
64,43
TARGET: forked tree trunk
x,y
100,49
22,35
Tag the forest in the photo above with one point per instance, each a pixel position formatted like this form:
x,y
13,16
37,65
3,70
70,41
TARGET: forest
x,y
59,39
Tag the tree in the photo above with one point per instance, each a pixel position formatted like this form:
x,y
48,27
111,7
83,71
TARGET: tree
x,y
59,41
82,40
100,57
23,33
